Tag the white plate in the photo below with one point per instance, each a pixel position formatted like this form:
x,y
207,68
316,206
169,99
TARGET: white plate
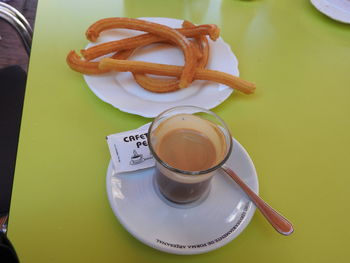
x,y
121,91
337,9
184,229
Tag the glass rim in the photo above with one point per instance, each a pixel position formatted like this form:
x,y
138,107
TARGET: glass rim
x,y
184,172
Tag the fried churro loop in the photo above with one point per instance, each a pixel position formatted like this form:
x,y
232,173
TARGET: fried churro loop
x,y
157,29
83,66
169,85
146,39
202,43
175,71
196,54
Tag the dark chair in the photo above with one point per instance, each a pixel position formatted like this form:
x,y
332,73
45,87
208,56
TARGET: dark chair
x,y
19,23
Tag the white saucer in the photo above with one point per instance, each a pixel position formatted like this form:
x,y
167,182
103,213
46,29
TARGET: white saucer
x,y
121,91
336,9
189,229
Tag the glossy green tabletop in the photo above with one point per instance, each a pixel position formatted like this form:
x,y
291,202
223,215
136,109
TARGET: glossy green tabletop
x,y
296,128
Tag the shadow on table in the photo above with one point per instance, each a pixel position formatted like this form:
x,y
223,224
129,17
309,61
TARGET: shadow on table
x,y
12,83
12,88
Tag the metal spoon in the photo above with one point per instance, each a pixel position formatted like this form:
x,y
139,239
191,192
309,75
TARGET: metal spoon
x,y
281,224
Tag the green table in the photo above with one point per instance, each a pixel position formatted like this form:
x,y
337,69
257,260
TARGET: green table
x,y
295,127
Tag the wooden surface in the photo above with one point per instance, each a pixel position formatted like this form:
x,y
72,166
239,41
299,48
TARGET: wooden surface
x,y
12,51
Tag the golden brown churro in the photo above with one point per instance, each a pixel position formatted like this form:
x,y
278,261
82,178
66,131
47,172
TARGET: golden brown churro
x,y
83,66
196,54
166,32
175,71
168,85
145,39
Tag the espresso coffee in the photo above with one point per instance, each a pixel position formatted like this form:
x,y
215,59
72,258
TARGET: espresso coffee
x,y
180,192
191,145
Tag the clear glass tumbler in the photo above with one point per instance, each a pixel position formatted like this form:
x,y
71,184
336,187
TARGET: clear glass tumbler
x,y
189,143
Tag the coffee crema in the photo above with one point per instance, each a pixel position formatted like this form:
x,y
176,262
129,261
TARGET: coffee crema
x,y
187,149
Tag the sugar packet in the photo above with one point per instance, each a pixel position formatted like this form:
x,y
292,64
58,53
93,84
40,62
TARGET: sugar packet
x,y
129,150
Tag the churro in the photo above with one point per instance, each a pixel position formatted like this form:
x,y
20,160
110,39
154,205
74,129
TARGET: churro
x,y
168,85
146,39
83,66
175,71
165,32
116,53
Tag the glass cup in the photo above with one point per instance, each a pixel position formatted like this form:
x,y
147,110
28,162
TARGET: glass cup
x,y
189,144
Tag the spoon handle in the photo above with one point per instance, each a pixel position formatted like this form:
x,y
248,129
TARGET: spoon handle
x,y
281,224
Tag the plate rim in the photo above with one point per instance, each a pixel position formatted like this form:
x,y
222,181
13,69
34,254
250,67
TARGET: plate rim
x,y
146,114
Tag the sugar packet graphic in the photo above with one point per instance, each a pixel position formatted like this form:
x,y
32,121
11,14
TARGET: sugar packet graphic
x,y
129,150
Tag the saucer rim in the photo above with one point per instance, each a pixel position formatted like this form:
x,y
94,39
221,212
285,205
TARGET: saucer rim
x,y
190,251
332,11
